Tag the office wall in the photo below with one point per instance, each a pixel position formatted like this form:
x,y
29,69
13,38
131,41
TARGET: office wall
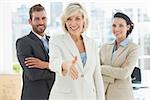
x,y
5,38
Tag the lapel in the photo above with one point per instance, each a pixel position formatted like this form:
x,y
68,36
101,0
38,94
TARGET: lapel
x,y
47,38
109,53
72,48
88,50
117,53
35,38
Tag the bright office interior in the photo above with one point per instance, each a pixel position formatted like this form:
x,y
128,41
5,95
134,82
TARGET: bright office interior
x,y
14,24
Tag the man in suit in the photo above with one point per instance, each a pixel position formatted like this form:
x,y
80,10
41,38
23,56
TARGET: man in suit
x,y
37,83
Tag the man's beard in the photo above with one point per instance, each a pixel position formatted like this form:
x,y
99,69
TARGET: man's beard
x,y
39,30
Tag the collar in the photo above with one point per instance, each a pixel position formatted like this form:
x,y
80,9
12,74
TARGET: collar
x,y
39,36
124,43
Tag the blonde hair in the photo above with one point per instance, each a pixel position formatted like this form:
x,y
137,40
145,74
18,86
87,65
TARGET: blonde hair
x,y
69,11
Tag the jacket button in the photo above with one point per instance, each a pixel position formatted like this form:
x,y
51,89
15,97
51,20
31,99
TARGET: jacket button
x,y
93,90
82,75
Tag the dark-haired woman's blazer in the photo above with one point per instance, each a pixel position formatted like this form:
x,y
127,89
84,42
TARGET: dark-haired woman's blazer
x,y
117,80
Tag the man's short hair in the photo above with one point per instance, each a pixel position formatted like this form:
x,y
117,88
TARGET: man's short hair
x,y
37,7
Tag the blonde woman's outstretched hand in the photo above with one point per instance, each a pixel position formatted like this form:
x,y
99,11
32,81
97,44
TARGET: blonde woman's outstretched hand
x,y
70,68
73,69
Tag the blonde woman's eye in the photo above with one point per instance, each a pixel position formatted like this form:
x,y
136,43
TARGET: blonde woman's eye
x,y
78,18
68,19
113,25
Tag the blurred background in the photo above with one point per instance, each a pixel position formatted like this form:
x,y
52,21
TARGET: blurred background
x,y
14,24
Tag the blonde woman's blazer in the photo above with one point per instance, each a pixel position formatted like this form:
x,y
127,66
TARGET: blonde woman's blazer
x,y
89,85
117,80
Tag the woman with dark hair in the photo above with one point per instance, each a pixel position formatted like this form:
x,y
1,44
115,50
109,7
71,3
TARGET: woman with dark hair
x,y
119,61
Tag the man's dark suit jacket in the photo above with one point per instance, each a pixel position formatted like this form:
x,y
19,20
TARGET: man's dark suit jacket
x,y
37,83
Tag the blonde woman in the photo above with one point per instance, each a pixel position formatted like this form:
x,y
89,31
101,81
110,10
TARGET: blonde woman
x,y
74,58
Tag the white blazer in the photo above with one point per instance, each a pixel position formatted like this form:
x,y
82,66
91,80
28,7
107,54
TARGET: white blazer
x,y
89,85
